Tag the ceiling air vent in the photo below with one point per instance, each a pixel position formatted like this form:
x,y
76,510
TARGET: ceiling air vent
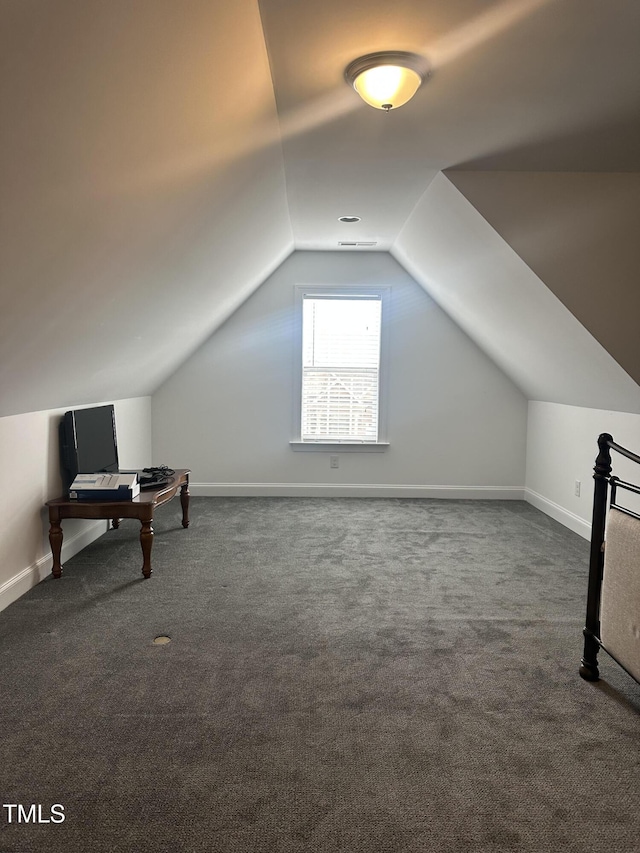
x,y
359,243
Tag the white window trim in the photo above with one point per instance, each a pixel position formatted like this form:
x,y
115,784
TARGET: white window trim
x,y
296,443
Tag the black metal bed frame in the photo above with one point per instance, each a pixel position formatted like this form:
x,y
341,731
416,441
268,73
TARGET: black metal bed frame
x,y
603,480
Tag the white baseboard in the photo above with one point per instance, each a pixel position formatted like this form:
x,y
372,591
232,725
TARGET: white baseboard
x,y
353,490
559,513
16,586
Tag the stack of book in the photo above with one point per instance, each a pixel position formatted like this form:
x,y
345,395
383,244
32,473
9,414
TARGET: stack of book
x,y
104,487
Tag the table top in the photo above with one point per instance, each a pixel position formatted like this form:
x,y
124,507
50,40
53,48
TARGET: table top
x,y
148,496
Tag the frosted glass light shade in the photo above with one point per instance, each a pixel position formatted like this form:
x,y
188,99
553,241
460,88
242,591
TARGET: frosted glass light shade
x,y
388,86
387,80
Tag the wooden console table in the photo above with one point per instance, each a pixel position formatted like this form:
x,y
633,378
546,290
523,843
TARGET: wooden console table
x,y
141,507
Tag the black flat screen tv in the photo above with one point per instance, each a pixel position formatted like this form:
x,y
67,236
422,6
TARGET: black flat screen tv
x,y
88,442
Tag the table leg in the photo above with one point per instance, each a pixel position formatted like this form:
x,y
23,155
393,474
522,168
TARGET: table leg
x,y
146,540
55,539
184,500
115,523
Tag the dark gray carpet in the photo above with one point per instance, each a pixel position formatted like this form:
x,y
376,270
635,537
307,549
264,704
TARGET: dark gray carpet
x,y
344,675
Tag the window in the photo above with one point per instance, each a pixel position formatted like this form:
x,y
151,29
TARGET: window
x,y
339,365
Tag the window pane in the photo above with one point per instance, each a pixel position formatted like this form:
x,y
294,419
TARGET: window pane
x,y
341,332
341,354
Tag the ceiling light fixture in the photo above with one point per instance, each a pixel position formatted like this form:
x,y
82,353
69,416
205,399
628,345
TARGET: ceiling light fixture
x,y
388,79
348,219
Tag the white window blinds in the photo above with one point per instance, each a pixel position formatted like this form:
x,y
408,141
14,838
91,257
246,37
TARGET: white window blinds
x,y
340,367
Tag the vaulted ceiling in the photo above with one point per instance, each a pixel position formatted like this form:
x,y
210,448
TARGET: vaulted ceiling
x,y
159,158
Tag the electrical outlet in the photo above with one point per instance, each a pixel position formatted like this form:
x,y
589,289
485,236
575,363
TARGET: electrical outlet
x,y
576,489
334,462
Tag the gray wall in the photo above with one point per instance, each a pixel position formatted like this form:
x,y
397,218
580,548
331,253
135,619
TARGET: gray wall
x,y
562,447
454,418
31,465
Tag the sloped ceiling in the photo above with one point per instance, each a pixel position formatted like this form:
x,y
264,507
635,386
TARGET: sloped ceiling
x,y
142,186
497,299
510,77
578,232
159,158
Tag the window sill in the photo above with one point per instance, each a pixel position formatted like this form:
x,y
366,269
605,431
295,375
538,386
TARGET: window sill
x,y
340,446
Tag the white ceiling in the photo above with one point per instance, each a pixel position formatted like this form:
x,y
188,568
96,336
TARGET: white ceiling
x,y
495,297
513,82
142,189
159,158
